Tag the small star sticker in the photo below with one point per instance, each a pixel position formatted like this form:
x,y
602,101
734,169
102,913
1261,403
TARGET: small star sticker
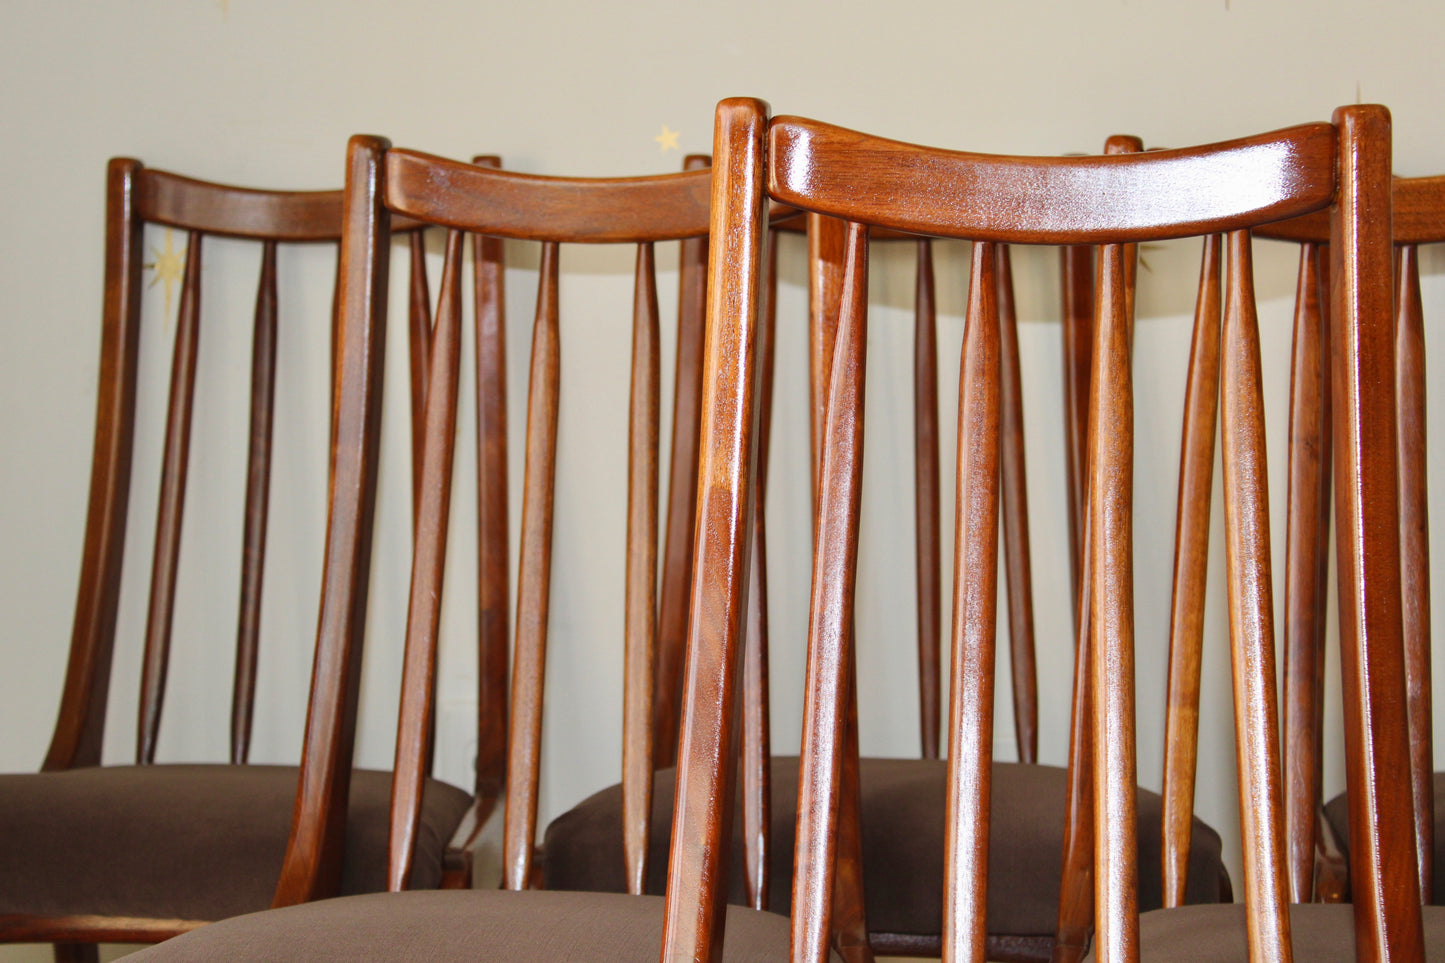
x,y
170,267
667,140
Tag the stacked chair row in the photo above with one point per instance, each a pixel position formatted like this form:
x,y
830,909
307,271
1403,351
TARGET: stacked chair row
x,y
950,855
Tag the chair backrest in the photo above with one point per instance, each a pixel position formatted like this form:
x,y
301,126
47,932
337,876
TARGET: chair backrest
x,y
137,196
1110,201
382,183
1418,218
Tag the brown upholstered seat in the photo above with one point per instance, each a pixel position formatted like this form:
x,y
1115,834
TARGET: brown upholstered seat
x,y
494,925
210,845
1322,933
902,871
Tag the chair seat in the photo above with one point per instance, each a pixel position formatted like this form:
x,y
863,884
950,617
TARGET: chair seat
x,y
903,832
1338,815
144,841
476,925
1319,933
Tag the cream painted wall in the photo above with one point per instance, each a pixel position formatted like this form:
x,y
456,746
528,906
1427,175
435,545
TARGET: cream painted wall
x,y
265,92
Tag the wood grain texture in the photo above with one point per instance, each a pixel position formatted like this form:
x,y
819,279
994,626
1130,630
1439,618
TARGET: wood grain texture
x,y
534,578
1251,612
1134,198
494,586
830,625
666,207
681,489
1191,558
1076,281
258,487
1415,550
757,736
1111,484
1306,572
697,873
1013,480
434,485
640,633
419,334
312,865
826,238
165,564
1384,888
80,725
926,500
975,600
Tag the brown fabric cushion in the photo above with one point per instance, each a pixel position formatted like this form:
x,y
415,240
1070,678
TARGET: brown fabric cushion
x,y
903,831
460,925
186,841
1337,811
1319,933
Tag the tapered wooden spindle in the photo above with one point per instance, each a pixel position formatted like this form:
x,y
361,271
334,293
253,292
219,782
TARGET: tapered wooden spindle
x,y
681,491
434,482
826,239
494,585
1191,560
258,486
1013,480
1415,553
830,635
641,605
757,737
926,499
1251,613
975,595
1111,572
171,508
1306,570
419,332
1077,282
533,584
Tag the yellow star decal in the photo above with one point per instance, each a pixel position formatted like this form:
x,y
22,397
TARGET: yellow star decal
x,y
170,267
667,140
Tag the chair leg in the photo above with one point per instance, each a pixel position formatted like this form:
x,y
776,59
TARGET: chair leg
x,y
77,953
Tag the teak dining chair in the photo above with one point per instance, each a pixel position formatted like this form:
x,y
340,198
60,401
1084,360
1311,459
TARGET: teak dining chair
x,y
382,183
139,853
1110,201
1419,218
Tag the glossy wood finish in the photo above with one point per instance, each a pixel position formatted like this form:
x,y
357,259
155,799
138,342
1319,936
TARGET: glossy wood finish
x,y
1076,280
1191,556
176,458
419,332
137,196
433,508
1306,571
726,473
681,488
1225,188
975,596
1015,517
926,498
494,586
830,631
1415,551
534,582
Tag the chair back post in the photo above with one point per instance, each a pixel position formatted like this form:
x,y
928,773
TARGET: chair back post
x,y
312,865
707,763
81,722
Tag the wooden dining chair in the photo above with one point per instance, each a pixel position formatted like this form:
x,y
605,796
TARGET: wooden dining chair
x,y
1110,201
138,853
1318,850
511,924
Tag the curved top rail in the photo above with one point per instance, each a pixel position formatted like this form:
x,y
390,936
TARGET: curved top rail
x,y
197,205
1419,216
1051,200
663,207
